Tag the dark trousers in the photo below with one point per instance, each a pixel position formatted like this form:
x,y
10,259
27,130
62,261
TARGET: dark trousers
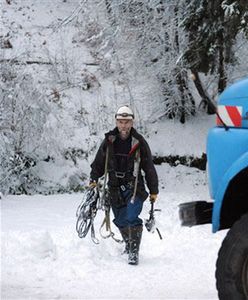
x,y
128,215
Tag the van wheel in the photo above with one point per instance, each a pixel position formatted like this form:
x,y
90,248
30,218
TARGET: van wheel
x,y
232,263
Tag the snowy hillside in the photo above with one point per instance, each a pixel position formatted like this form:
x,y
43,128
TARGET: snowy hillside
x,y
43,258
61,96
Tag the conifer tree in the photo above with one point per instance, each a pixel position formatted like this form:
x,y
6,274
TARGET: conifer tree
x,y
212,28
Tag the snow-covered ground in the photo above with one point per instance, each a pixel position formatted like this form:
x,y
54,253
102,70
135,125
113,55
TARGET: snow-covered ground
x,y
43,258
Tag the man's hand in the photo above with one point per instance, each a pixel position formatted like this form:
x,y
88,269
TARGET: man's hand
x,y
92,184
153,197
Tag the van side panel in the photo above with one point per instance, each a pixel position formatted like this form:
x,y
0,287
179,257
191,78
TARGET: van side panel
x,y
232,171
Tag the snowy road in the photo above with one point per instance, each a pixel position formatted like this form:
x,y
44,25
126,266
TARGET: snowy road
x,y
43,258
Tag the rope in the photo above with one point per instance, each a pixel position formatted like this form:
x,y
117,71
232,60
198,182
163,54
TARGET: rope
x,y
136,174
103,197
106,222
105,205
86,213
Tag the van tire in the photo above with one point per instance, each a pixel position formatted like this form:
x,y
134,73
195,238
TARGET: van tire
x,y
232,263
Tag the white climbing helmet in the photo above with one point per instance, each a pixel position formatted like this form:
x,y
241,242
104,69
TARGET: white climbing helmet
x,y
124,113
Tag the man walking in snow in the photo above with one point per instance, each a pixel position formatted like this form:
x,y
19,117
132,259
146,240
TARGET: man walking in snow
x,y
122,155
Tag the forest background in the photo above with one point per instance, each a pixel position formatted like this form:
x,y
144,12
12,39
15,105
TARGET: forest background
x,y
67,65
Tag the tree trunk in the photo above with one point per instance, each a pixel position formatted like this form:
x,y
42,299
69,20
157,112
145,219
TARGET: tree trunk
x,y
221,68
211,109
221,71
181,79
186,96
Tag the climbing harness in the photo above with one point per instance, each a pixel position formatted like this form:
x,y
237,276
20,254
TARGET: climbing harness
x,y
150,223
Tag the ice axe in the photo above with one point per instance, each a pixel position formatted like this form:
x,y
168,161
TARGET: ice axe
x,y
150,223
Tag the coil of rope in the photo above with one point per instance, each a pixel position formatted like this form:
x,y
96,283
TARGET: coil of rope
x,y
86,213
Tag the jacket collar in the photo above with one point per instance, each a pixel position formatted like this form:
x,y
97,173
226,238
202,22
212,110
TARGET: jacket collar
x,y
112,134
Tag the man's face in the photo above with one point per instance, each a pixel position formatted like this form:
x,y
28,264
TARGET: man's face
x,y
124,127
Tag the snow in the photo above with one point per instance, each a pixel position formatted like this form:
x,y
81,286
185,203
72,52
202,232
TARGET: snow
x,y
180,139
43,258
41,254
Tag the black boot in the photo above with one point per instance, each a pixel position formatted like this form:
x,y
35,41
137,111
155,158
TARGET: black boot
x,y
135,234
125,235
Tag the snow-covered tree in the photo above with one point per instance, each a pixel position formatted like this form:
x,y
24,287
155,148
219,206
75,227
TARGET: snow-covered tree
x,y
212,28
169,40
23,115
